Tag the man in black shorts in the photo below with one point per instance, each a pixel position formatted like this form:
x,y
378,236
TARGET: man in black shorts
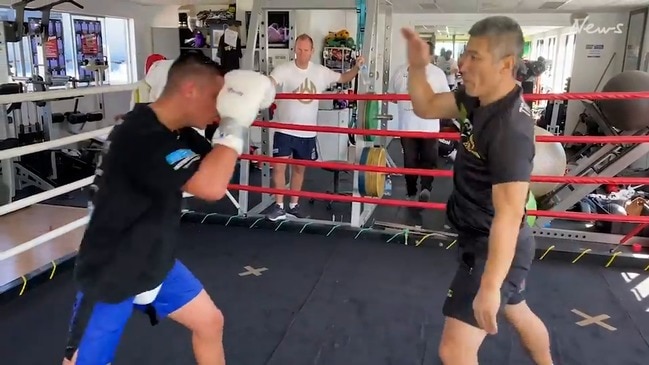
x,y
491,186
126,260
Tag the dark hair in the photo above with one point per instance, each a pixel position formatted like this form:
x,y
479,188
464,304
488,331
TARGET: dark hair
x,y
193,64
504,34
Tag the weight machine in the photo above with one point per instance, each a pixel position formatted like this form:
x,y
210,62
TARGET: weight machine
x,y
378,74
605,160
38,169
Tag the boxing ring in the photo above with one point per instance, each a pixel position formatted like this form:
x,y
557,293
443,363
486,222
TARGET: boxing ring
x,y
326,291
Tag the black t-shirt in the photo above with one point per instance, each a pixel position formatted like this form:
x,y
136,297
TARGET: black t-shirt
x,y
129,243
229,55
497,146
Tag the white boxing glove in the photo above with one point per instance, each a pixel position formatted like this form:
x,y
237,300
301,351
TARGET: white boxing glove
x,y
243,95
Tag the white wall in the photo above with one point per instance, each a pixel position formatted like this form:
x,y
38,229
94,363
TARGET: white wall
x,y
316,23
644,64
587,70
461,20
555,77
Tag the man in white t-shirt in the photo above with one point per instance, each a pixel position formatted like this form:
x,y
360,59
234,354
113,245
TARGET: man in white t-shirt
x,y
418,153
450,68
304,77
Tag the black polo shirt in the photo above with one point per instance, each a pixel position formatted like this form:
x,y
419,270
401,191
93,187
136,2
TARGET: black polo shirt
x,y
230,56
129,243
497,146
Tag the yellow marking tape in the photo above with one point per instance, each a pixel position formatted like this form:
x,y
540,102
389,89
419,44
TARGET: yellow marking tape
x,y
22,290
612,258
581,255
332,229
304,227
546,252
361,231
404,232
423,238
279,225
53,270
255,222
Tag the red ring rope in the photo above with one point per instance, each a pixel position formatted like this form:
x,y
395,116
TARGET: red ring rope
x,y
444,135
451,136
437,206
444,173
406,97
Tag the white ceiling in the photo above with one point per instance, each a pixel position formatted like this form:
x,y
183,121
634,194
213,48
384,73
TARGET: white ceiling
x,y
447,31
513,6
464,6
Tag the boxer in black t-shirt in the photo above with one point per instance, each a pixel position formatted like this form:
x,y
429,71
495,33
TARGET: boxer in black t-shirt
x,y
126,260
491,185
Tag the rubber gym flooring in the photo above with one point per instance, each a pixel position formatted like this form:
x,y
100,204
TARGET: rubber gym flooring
x,y
339,300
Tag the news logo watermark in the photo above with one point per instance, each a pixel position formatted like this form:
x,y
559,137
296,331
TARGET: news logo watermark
x,y
585,26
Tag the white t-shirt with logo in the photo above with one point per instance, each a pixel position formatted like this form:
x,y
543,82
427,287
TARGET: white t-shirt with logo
x,y
408,121
447,66
314,79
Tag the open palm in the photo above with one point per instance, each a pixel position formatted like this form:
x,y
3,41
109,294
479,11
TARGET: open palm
x,y
418,49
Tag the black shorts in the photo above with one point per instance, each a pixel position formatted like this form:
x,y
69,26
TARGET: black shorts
x,y
465,284
299,148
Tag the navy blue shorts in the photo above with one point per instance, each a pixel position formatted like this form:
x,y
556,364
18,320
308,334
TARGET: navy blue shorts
x,y
96,328
299,148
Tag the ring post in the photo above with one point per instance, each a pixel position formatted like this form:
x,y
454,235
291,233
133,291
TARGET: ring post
x,y
244,179
6,165
260,10
261,29
385,77
258,28
248,64
361,212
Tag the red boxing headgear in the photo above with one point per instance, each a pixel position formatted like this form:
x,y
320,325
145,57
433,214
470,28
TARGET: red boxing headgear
x,y
151,60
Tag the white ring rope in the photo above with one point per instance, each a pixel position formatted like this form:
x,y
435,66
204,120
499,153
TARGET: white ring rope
x,y
34,199
33,148
48,194
66,93
44,238
38,147
227,193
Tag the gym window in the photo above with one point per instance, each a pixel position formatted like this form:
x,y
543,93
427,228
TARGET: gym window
x,y
83,38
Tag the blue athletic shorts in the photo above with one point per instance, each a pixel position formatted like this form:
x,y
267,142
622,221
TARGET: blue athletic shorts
x,y
96,328
299,148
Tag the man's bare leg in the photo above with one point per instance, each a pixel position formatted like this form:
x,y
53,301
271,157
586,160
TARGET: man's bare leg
x,y
205,320
532,331
71,362
297,180
460,343
279,181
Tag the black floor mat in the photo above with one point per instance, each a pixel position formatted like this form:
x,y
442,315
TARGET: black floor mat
x,y
327,300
